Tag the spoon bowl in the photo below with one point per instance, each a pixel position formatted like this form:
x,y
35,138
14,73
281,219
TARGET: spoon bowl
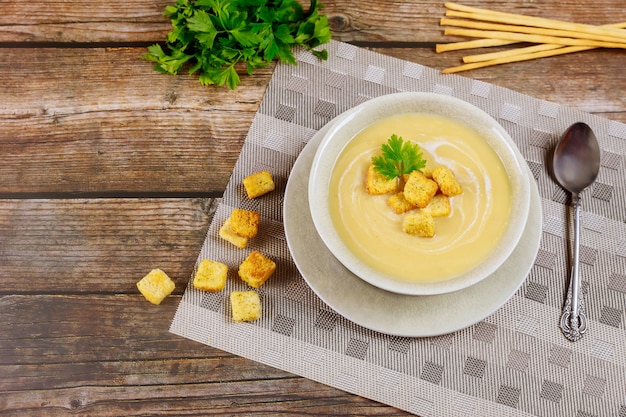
x,y
576,159
576,163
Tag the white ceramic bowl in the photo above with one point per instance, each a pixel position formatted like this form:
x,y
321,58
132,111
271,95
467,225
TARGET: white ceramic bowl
x,y
355,120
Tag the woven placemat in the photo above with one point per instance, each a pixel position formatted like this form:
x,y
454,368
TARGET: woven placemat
x,y
514,362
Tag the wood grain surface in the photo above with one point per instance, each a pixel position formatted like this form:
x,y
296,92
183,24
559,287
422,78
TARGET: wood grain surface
x,y
109,169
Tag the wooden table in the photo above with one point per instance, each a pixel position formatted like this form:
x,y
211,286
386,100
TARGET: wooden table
x,y
109,169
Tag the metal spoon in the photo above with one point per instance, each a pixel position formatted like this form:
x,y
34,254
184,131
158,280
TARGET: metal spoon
x,y
576,163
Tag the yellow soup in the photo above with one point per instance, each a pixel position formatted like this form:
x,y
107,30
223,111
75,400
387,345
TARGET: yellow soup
x,y
373,231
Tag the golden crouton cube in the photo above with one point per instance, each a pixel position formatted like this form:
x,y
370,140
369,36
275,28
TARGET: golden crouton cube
x,y
245,305
258,184
245,222
419,223
419,190
156,286
446,180
210,276
399,203
377,183
226,233
439,206
425,172
256,269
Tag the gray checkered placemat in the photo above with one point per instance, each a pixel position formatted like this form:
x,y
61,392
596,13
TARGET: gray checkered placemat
x,y
514,362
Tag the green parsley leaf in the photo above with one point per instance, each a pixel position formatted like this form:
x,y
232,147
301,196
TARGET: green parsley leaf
x,y
398,158
200,22
213,36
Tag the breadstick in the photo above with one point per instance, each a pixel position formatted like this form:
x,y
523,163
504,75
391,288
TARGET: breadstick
x,y
526,29
516,58
517,51
476,43
517,19
523,37
520,51
552,37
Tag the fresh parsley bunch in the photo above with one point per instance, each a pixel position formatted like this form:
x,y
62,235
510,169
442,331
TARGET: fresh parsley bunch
x,y
398,158
215,35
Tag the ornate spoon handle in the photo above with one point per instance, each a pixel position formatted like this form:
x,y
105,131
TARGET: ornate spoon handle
x,y
573,319
573,325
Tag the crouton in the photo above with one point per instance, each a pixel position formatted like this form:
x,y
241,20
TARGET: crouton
x,y
245,223
256,269
418,189
258,184
210,276
155,286
245,305
377,183
448,184
419,223
439,206
399,203
228,235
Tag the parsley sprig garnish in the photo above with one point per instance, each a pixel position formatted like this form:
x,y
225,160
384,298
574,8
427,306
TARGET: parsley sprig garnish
x,y
215,35
398,158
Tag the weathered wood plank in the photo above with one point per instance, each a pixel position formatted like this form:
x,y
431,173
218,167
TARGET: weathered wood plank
x,y
115,329
351,20
64,81
265,397
112,355
82,21
102,120
101,245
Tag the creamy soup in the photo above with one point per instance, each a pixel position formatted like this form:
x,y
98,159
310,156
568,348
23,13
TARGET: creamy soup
x,y
370,228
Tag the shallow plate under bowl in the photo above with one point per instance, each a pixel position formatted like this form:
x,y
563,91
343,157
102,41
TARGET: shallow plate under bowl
x,y
387,312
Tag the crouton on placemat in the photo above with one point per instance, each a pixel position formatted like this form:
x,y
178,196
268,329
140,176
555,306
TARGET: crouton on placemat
x,y
256,269
226,233
258,184
245,305
210,276
245,223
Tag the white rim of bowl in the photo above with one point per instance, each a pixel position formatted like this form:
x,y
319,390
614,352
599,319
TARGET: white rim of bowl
x,y
322,168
